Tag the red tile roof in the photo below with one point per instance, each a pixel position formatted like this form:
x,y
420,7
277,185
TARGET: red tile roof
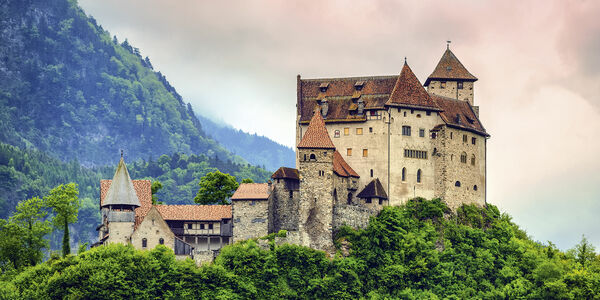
x,y
286,173
341,167
316,135
194,212
143,190
252,191
374,93
459,114
449,67
409,92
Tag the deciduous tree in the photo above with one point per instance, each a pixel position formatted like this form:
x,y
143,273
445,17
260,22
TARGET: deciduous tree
x,y
216,188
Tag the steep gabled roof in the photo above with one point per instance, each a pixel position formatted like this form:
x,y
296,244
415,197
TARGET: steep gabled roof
x,y
316,135
408,92
252,191
459,114
373,190
143,190
341,167
121,191
449,67
194,212
286,173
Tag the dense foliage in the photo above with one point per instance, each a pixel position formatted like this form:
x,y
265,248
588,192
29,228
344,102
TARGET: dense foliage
x,y
410,252
71,90
216,188
258,150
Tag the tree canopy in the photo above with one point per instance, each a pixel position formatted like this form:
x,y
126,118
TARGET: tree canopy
x,y
216,188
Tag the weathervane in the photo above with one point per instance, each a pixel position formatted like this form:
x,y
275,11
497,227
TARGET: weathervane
x,y
121,153
448,44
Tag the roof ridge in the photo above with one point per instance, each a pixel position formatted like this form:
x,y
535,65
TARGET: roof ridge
x,y
351,77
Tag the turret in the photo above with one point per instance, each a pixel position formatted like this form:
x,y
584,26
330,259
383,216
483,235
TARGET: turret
x,y
118,207
451,79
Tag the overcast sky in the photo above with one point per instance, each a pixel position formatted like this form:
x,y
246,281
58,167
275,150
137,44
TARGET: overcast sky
x,y
538,64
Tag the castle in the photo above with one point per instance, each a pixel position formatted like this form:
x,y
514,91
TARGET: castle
x,y
362,143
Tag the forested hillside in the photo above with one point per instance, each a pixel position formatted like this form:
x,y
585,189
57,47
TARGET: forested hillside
x,y
70,89
258,150
417,251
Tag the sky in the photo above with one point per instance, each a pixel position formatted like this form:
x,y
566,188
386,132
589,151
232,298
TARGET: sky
x,y
538,64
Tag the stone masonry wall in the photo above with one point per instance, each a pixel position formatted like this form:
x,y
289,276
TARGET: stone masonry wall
x,y
351,215
250,219
119,232
153,228
316,201
451,90
283,210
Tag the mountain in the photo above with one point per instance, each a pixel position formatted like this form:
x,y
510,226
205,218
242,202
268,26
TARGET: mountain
x,y
258,150
71,90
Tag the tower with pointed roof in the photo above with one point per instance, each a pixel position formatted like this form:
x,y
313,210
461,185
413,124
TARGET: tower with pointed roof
x,y
118,207
451,79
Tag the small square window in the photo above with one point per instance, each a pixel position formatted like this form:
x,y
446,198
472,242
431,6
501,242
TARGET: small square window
x,y
189,226
459,85
442,84
422,132
473,141
201,226
428,113
365,152
336,134
346,131
349,152
370,129
359,131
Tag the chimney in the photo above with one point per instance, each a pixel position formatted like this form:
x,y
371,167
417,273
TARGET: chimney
x,y
324,107
361,106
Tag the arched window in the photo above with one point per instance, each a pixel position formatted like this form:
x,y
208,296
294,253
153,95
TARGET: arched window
x,y
161,241
473,159
463,158
313,157
403,174
475,187
457,184
349,198
144,243
419,175
336,134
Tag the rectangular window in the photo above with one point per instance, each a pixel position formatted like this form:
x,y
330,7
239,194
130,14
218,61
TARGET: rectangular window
x,y
346,131
370,129
210,226
422,132
190,226
336,134
201,226
349,152
473,141
358,131
406,130
371,172
368,200
459,85
408,153
428,113
365,152
442,84
464,138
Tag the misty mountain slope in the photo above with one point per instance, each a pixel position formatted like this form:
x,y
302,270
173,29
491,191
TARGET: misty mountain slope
x,y
67,88
258,150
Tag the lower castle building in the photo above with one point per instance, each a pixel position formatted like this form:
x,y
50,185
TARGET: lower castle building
x,y
362,143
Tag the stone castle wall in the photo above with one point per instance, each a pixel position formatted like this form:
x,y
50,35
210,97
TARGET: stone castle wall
x,y
250,219
283,209
119,232
452,91
351,215
153,228
316,202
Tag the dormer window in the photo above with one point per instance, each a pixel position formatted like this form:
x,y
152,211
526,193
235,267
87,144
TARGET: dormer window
x,y
359,85
323,87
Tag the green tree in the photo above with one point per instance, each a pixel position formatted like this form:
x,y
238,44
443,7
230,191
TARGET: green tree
x,y
247,180
64,200
585,252
216,188
156,186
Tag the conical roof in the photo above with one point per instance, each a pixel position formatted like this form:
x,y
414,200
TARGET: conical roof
x,y
316,135
449,67
409,92
121,191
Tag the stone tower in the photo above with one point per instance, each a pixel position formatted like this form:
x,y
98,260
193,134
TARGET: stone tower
x,y
451,79
118,208
315,168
